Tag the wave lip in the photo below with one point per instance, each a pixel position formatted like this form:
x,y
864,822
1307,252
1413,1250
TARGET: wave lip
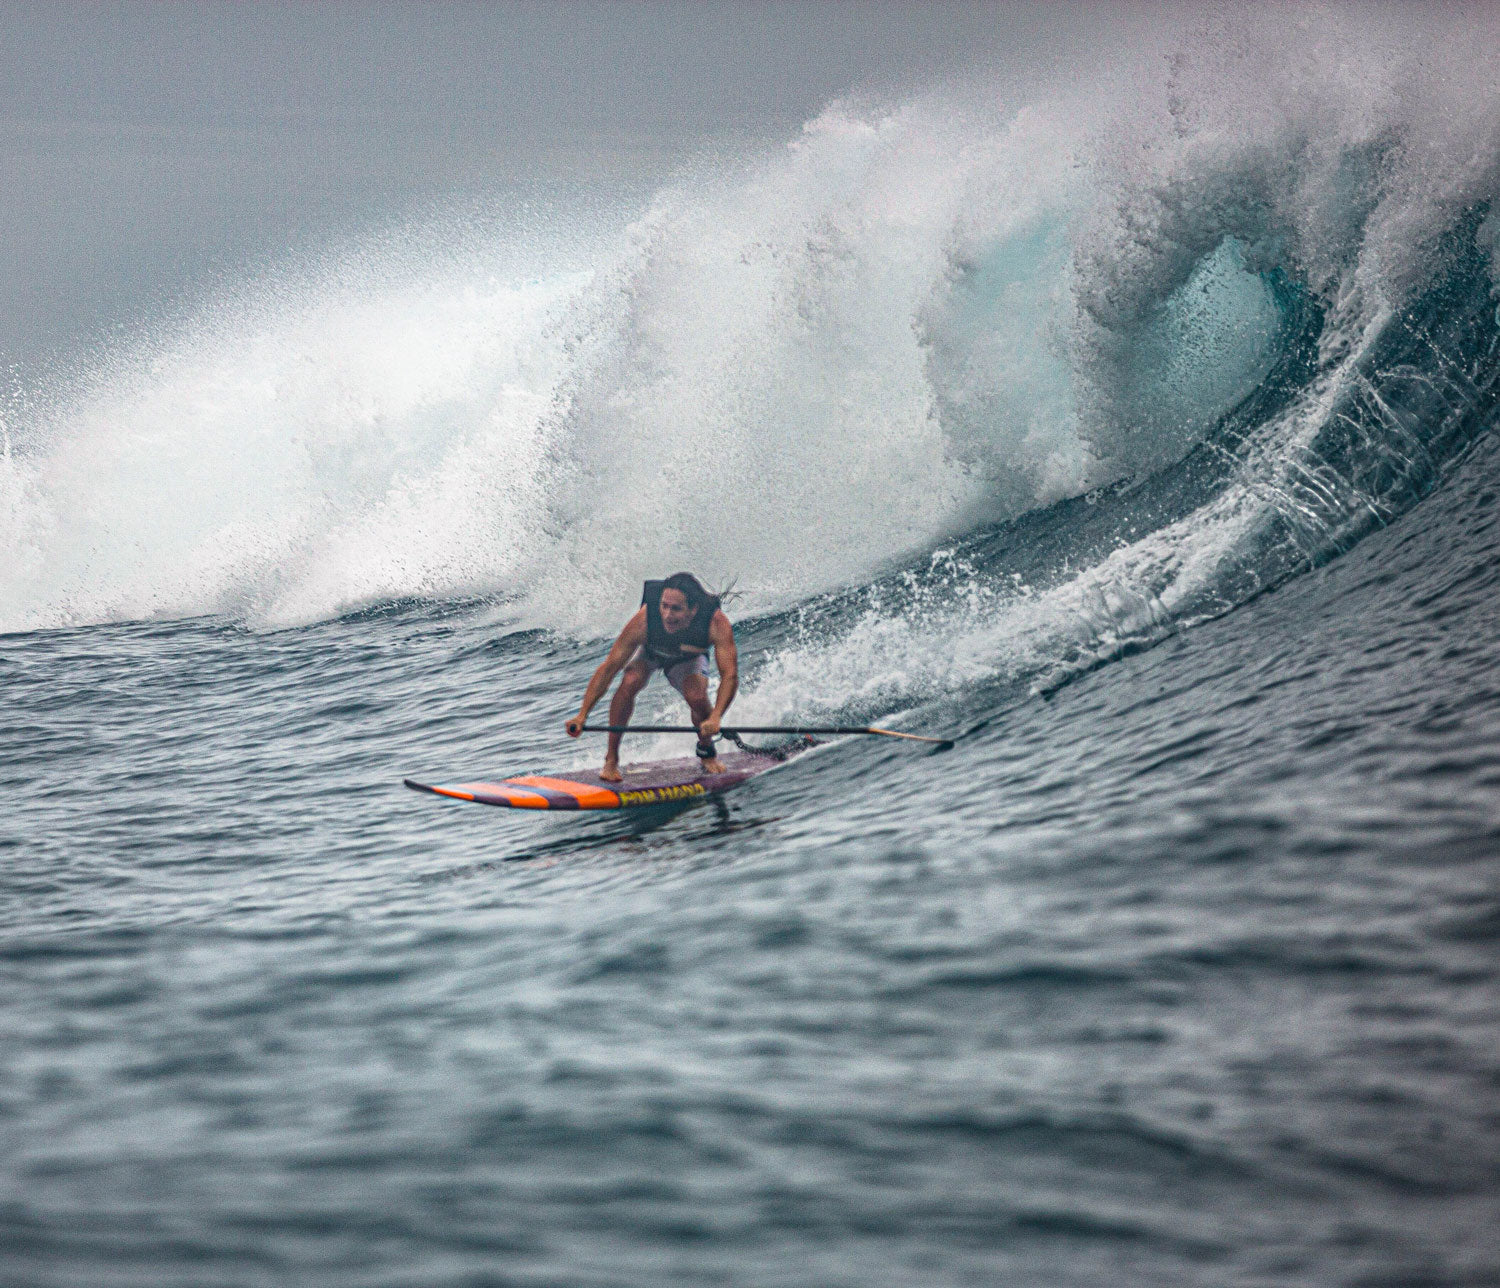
x,y
1251,283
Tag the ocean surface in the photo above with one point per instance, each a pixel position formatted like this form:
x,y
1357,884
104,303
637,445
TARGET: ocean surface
x,y
1139,437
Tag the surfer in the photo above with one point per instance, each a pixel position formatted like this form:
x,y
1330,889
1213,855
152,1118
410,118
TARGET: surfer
x,y
677,622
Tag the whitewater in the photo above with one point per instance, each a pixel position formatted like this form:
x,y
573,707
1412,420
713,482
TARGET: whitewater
x,y
1134,429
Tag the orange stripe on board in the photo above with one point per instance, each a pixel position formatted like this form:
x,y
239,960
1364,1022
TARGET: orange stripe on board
x,y
449,791
518,797
586,796
525,800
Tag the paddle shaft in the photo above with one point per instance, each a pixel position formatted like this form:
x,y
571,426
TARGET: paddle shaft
x,y
737,729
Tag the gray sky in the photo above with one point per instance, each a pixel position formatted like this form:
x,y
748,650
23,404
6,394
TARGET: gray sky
x,y
148,148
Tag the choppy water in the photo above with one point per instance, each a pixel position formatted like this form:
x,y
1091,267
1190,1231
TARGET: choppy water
x,y
1170,489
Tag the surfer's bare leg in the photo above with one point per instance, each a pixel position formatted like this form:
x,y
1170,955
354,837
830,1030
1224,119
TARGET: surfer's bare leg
x,y
695,690
620,708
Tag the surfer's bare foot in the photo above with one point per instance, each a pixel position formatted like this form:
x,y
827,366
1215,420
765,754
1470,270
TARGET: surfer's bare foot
x,y
713,765
611,772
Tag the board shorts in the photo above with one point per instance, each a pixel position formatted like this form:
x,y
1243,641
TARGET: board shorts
x,y
678,672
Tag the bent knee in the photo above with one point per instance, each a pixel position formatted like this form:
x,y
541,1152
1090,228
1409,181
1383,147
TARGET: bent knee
x,y
634,679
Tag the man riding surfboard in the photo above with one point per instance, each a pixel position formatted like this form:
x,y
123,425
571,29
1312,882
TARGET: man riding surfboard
x,y
672,631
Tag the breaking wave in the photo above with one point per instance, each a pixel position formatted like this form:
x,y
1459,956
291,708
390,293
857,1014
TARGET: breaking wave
x,y
959,389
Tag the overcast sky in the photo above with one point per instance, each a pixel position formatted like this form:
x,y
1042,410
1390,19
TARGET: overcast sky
x,y
147,147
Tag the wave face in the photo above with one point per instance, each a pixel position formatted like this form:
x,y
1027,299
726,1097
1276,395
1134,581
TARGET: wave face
x,y
1187,976
1250,284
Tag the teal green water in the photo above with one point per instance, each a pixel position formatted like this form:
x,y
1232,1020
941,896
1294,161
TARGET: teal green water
x,y
1140,441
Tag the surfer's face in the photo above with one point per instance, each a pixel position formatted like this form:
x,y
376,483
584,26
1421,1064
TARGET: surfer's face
x,y
675,613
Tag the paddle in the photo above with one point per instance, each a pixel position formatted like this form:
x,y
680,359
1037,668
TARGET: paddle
x,y
739,729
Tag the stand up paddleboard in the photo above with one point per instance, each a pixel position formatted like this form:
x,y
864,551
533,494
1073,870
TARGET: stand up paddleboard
x,y
659,782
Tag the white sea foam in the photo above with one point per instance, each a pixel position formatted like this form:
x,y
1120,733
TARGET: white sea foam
x,y
816,360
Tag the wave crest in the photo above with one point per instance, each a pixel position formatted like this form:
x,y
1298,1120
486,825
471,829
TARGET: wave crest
x,y
820,360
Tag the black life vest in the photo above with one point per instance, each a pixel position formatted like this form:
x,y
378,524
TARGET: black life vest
x,y
664,649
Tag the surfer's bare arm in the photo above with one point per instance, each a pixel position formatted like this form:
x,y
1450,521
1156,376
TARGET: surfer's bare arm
x,y
721,636
631,638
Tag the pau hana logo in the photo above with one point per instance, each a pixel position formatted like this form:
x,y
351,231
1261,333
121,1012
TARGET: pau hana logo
x,y
652,795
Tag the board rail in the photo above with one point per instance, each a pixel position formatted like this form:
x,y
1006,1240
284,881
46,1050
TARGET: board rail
x,y
666,782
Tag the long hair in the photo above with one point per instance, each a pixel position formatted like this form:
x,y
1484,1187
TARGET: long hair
x,y
698,595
